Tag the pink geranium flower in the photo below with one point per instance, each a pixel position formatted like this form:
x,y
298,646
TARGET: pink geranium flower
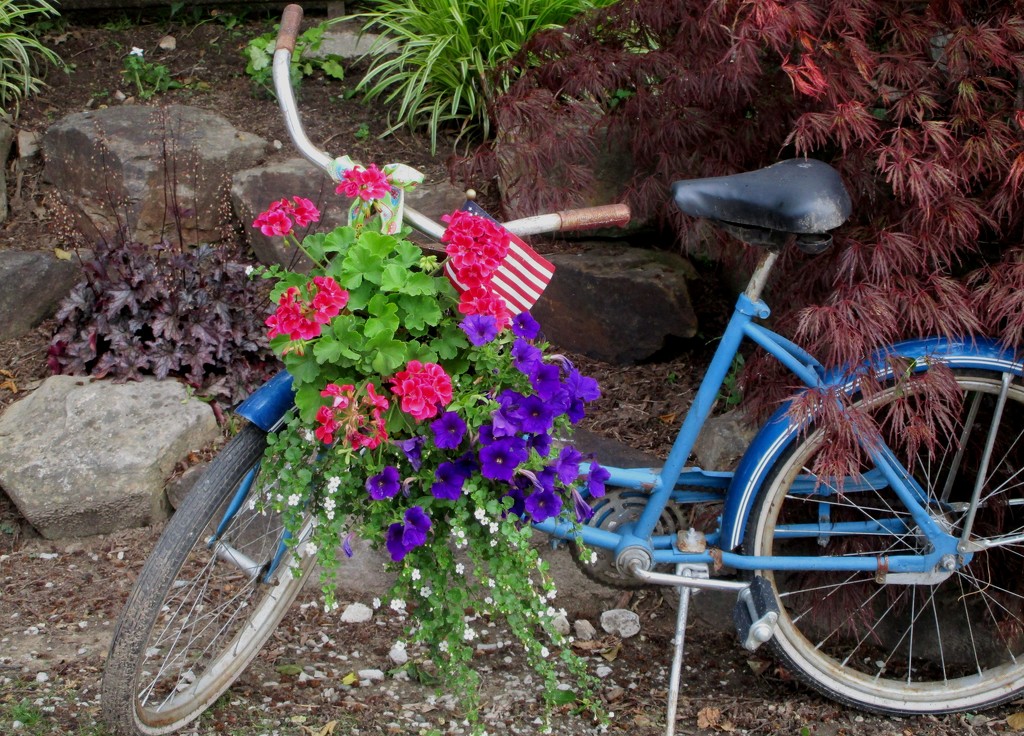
x,y
364,183
304,212
423,387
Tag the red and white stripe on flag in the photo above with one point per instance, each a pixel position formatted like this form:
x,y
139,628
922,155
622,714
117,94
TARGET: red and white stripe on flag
x,y
522,276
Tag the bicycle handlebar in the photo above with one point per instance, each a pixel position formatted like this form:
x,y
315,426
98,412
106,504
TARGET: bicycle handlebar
x,y
581,219
291,19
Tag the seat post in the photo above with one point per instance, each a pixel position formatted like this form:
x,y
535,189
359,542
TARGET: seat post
x,y
759,279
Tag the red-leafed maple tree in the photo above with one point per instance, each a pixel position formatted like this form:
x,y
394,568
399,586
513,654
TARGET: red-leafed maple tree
x,y
919,105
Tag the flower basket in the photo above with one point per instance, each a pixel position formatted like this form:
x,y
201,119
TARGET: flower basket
x,y
427,422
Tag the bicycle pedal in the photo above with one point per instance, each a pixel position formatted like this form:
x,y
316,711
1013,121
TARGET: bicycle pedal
x,y
691,541
756,614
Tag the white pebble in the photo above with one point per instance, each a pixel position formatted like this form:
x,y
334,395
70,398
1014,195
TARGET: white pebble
x,y
561,624
620,622
398,655
370,675
585,630
356,613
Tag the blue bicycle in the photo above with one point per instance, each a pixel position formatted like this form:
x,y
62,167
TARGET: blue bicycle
x,y
895,586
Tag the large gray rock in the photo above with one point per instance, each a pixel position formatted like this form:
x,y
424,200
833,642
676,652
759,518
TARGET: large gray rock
x,y
616,303
253,190
149,169
32,284
81,457
722,441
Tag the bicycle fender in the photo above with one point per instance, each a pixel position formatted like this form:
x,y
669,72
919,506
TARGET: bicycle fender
x,y
780,431
271,401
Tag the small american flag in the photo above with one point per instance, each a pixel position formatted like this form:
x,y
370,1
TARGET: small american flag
x,y
521,278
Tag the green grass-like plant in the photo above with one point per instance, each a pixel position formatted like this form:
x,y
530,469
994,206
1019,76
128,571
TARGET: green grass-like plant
x,y
440,59
20,50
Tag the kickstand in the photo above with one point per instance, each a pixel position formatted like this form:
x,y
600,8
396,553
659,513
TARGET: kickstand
x,y
677,642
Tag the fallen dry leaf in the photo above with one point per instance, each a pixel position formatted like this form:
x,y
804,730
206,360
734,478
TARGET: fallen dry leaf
x,y
1015,721
708,717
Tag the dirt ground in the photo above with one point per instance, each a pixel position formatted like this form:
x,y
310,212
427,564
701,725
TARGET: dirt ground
x,y
59,600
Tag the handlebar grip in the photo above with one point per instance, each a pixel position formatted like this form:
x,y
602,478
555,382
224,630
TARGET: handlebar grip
x,y
590,218
291,19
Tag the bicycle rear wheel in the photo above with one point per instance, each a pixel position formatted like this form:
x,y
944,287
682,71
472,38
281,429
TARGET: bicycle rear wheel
x,y
901,645
201,609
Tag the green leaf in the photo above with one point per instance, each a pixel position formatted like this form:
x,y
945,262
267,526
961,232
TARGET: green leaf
x,y
418,312
339,240
388,355
304,368
563,697
308,400
394,277
333,68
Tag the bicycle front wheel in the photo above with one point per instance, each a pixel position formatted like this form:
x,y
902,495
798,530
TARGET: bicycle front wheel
x,y
215,587
941,642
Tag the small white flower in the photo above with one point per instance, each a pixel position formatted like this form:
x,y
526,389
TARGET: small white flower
x,y
136,51
249,270
333,483
308,436
550,611
293,500
400,645
494,542
488,600
493,528
491,583
415,573
460,569
443,646
544,652
330,515
469,634
329,504
551,594
426,590
398,605
593,557
480,514
308,549
376,602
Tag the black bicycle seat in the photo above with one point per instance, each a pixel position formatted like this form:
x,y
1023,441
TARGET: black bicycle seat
x,y
800,196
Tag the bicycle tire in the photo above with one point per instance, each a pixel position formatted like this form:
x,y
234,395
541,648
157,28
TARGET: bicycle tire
x,y
912,645
194,620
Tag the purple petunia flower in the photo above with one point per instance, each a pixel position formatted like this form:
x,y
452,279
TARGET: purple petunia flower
x,y
448,430
480,328
384,485
535,415
524,325
449,479
581,507
582,387
543,504
413,449
547,381
541,443
499,460
505,419
401,538
417,524
568,464
346,546
393,541
595,480
526,357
